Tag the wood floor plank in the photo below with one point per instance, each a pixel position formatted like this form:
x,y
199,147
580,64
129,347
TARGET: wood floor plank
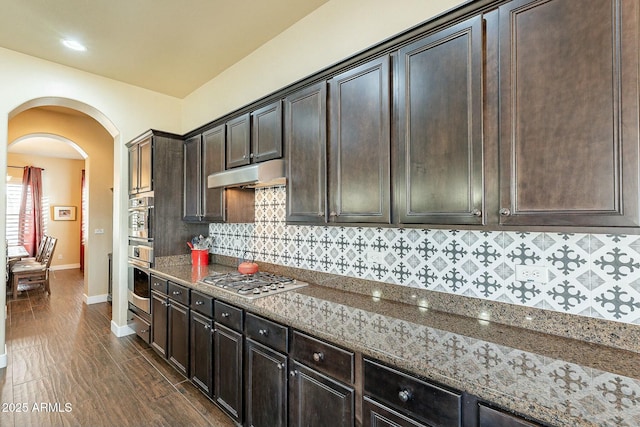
x,y
62,351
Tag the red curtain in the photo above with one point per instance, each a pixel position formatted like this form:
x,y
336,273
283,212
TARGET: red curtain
x,y
30,225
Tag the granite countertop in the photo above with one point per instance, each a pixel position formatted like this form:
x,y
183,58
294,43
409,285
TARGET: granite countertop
x,y
561,381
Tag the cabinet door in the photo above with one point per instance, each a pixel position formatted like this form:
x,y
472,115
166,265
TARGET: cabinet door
x,y
305,139
360,148
266,132
159,323
439,80
145,180
227,362
192,176
134,167
201,330
375,414
178,337
316,400
213,155
266,386
238,141
569,113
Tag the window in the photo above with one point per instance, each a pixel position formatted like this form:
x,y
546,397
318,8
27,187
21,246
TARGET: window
x,y
14,195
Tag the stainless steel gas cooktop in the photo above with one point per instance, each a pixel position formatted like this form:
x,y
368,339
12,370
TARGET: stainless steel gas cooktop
x,y
252,286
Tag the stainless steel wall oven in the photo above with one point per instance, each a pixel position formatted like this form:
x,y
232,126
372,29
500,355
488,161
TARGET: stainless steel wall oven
x,y
140,253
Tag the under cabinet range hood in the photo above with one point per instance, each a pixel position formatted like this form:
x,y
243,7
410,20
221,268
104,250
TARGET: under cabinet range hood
x,y
266,174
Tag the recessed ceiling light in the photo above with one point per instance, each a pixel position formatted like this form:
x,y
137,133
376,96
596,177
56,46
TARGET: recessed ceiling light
x,y
72,44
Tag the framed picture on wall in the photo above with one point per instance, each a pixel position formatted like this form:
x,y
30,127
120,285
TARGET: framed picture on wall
x,y
64,213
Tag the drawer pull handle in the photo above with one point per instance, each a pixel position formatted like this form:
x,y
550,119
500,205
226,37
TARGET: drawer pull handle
x,y
225,315
280,366
404,395
199,302
144,331
177,292
206,327
318,356
263,332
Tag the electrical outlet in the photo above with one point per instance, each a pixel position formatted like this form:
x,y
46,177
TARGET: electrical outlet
x,y
375,257
532,273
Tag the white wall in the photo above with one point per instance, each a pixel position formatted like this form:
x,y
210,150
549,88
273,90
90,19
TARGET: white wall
x,y
333,32
126,111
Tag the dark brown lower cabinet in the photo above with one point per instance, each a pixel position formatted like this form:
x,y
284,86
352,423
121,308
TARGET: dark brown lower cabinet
x,y
265,386
227,357
159,321
178,337
202,352
375,414
490,417
316,400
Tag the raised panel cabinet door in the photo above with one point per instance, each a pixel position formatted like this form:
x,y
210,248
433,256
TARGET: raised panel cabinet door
x,y
159,323
375,414
305,140
227,371
266,386
266,132
489,417
134,167
145,180
191,181
201,342
178,337
569,112
213,155
316,400
439,143
360,144
239,141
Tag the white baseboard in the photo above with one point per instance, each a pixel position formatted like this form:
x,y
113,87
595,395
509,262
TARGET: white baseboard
x,y
3,358
65,267
121,331
95,299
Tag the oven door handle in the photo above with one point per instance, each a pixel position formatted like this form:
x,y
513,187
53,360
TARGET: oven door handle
x,y
142,265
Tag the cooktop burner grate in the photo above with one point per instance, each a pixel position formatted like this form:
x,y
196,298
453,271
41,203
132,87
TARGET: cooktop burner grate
x,y
252,285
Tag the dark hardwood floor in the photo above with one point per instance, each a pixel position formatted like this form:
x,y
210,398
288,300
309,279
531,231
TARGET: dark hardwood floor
x,y
66,368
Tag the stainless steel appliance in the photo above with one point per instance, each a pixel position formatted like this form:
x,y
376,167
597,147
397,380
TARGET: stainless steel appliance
x,y
140,253
141,216
253,286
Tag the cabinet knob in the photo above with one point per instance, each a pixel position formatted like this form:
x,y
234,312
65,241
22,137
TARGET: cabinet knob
x,y
293,373
144,331
476,212
176,292
225,314
207,327
199,302
505,212
318,357
404,395
280,366
263,332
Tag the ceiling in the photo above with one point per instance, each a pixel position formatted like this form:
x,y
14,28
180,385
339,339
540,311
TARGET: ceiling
x,y
168,46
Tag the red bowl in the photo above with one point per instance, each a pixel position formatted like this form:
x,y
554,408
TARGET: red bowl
x,y
248,268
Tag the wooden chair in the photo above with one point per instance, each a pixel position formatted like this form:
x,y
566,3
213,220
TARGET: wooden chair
x,y
40,252
29,274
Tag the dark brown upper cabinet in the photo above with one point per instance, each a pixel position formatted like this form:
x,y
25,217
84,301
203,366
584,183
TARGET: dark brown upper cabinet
x,y
203,155
305,140
439,133
360,144
266,133
568,76
239,141
140,166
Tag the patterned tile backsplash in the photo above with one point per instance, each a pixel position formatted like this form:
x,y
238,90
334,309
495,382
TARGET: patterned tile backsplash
x,y
594,275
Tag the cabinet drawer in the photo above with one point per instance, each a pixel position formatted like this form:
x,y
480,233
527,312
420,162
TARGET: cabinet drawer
x,y
179,293
202,303
142,328
490,417
266,332
324,357
228,315
158,284
416,398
